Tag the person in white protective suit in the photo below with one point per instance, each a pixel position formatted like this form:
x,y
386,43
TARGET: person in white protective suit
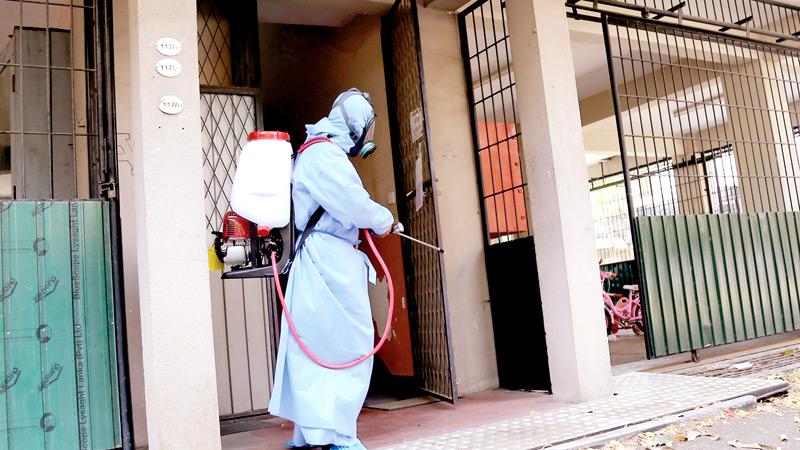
x,y
327,289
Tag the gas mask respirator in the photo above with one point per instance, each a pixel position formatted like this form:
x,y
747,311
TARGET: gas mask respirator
x,y
363,141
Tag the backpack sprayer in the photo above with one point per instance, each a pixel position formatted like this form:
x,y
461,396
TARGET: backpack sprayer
x,y
250,242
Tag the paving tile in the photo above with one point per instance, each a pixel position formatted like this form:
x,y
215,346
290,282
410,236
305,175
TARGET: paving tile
x,y
638,397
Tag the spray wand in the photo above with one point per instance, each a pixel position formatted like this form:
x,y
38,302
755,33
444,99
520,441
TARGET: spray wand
x,y
398,230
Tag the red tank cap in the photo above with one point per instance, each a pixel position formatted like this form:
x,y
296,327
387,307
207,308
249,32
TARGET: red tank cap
x,y
275,135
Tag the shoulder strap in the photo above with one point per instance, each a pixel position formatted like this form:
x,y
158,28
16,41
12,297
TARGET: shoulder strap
x,y
310,142
312,222
314,219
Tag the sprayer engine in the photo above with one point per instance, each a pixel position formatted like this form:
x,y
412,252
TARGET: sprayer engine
x,y
245,246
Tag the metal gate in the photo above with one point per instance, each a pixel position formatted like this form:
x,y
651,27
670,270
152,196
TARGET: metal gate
x,y
243,316
243,313
416,201
712,171
517,315
64,363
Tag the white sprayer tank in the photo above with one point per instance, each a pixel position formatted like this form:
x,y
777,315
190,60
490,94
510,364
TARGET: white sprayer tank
x,y
262,184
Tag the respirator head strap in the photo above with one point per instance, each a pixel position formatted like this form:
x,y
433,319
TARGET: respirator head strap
x,y
362,143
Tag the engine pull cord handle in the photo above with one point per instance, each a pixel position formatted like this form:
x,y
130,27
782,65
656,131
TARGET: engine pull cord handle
x,y
296,335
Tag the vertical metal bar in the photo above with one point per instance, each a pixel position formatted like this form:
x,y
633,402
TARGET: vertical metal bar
x,y
664,66
763,144
499,193
72,87
468,76
744,142
684,88
626,173
644,75
21,99
486,195
49,95
513,96
771,78
505,125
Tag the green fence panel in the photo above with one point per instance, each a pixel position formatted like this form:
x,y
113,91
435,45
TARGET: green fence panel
x,y
59,362
716,279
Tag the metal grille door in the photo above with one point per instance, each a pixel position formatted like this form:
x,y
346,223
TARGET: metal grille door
x,y
243,319
416,203
244,313
517,314
712,169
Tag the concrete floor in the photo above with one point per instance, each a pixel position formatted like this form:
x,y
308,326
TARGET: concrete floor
x,y
626,348
381,428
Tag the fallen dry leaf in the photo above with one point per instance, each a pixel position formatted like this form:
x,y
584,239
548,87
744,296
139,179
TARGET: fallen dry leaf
x,y
615,445
656,442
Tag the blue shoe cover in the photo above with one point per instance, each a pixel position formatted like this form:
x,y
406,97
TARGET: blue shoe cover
x,y
358,446
291,444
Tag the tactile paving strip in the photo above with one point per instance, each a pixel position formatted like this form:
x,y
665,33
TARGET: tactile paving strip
x,y
638,397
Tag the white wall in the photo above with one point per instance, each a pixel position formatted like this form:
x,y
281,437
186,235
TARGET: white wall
x,y
452,157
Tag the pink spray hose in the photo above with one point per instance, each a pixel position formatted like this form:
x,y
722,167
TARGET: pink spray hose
x,y
300,342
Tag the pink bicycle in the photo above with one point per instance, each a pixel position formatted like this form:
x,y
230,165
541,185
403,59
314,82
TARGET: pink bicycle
x,y
622,313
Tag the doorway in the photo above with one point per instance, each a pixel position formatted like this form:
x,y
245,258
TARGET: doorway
x,y
305,57
511,268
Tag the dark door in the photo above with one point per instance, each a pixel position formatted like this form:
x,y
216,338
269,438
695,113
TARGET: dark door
x,y
510,255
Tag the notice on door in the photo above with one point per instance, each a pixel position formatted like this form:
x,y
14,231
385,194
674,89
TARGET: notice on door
x,y
417,124
419,199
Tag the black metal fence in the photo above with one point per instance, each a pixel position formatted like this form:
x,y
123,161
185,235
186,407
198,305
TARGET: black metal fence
x,y
765,20
709,154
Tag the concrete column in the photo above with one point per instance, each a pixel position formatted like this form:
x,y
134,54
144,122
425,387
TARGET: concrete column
x,y
177,339
559,205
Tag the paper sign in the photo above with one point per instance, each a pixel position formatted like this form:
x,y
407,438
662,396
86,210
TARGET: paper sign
x,y
417,124
169,68
419,199
169,46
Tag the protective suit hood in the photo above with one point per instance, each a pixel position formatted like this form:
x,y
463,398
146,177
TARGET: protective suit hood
x,y
359,112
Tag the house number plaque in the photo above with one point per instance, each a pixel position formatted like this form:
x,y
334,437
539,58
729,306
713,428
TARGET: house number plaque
x,y
169,46
170,104
169,68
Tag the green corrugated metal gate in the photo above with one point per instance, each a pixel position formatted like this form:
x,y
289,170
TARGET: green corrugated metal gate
x,y
717,279
59,383
709,150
